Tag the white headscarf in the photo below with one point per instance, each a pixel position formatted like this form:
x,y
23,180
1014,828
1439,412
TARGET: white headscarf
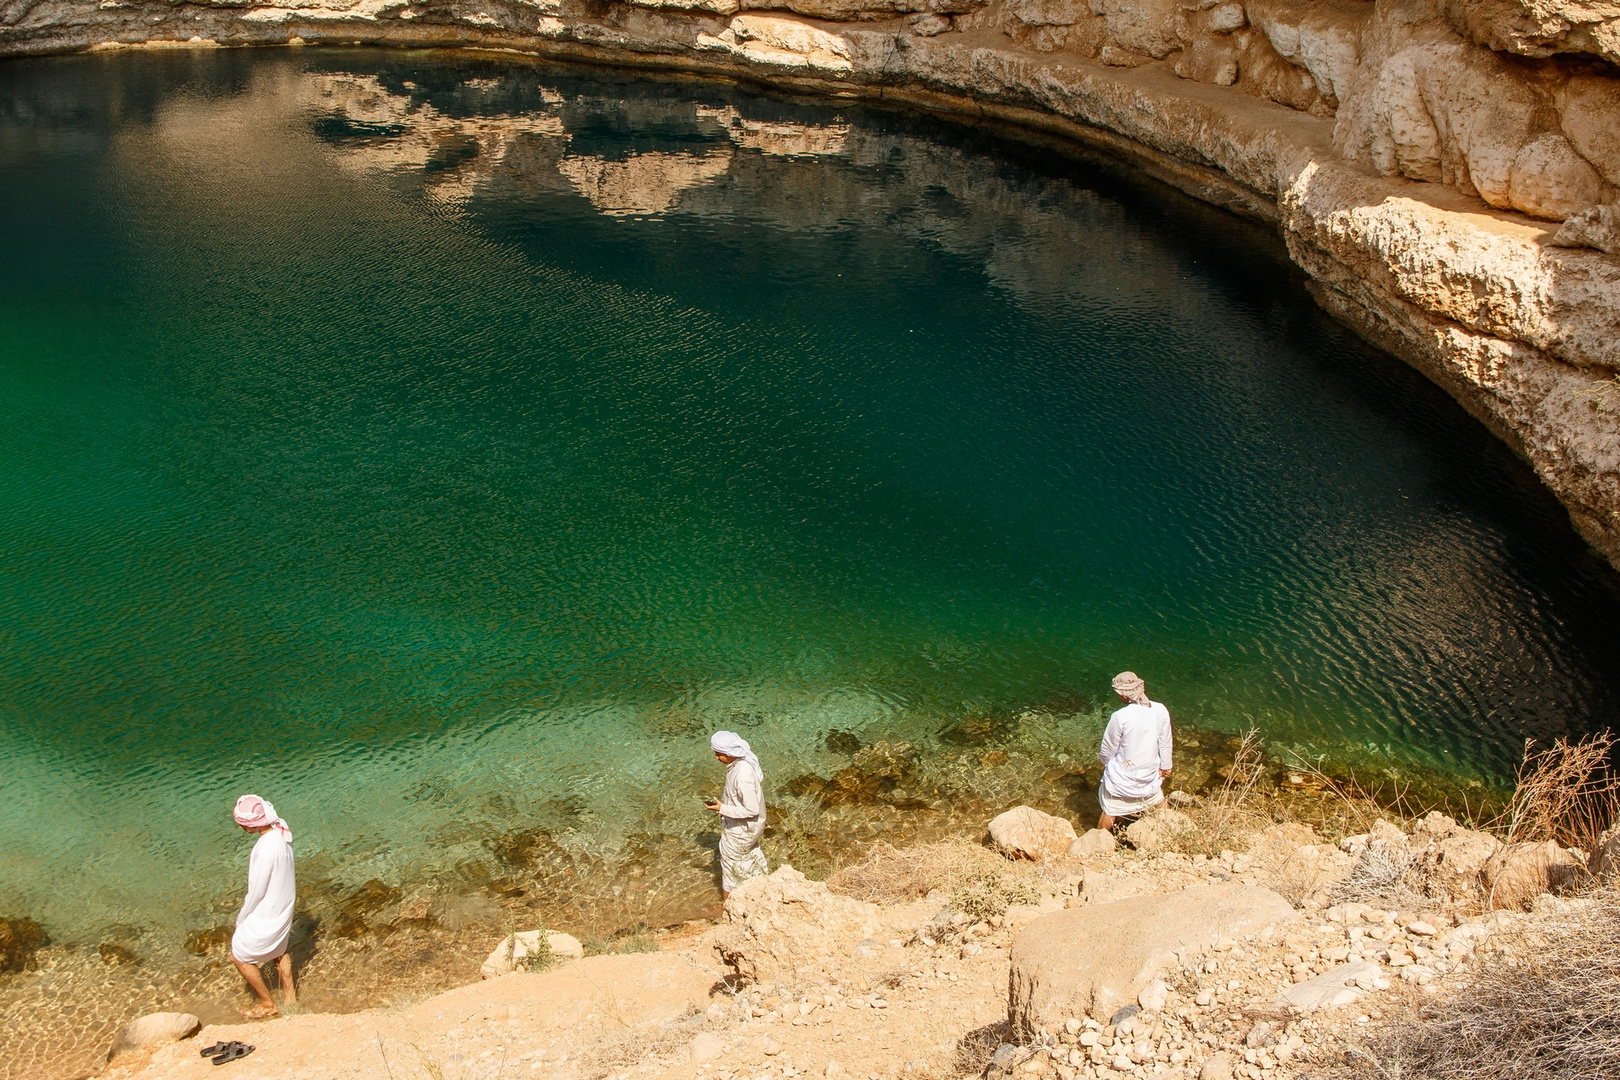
x,y
731,744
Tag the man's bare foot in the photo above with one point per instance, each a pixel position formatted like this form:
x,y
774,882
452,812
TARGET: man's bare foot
x,y
259,1012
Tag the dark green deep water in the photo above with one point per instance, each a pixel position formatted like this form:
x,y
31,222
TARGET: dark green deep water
x,y
428,442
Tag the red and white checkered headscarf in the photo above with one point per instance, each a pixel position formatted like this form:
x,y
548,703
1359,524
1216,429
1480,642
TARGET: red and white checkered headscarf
x,y
253,812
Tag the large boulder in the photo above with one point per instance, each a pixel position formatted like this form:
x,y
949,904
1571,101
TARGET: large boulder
x,y
1141,26
1026,833
1587,108
1324,37
155,1029
1449,857
1428,105
1094,959
840,10
782,922
1519,873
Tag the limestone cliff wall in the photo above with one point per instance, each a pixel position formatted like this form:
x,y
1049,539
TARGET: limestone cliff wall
x,y
1446,171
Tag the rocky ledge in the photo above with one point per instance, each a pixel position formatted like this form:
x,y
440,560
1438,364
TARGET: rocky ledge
x,y
1447,172
1092,962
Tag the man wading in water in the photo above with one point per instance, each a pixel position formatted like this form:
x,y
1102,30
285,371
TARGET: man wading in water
x,y
265,923
1135,753
741,807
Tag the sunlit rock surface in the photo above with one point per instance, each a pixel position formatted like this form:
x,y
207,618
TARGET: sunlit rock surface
x,y
1419,156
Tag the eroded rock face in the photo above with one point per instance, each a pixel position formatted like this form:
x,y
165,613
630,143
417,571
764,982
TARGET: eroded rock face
x,y
1426,103
1395,142
1540,27
1093,959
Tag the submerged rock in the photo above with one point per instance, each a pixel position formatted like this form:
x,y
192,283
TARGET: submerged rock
x,y
20,939
353,918
886,760
116,955
976,731
203,942
842,742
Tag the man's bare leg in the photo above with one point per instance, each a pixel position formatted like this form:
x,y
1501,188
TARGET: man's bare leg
x,y
1105,823
266,1006
289,993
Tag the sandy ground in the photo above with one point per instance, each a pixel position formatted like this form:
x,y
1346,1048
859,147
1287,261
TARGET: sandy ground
x,y
652,1014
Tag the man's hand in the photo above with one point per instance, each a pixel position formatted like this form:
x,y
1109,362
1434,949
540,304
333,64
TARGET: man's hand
x,y
1163,773
712,804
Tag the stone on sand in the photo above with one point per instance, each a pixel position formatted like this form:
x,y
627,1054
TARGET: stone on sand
x,y
154,1029
1159,829
1027,833
783,922
1094,842
1340,986
510,954
706,1046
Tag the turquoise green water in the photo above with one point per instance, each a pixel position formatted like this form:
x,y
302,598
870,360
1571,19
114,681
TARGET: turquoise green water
x,y
440,447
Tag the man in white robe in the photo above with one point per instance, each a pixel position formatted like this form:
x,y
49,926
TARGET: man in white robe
x,y
1135,753
741,807
265,923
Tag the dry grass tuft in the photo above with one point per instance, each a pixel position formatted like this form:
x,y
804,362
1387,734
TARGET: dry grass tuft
x,y
891,875
1568,792
628,1045
1544,1004
1231,815
1358,806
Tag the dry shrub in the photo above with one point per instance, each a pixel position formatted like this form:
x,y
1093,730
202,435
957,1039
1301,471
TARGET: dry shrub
x,y
992,893
1543,1003
1381,876
891,875
628,1044
975,1049
1291,875
1567,793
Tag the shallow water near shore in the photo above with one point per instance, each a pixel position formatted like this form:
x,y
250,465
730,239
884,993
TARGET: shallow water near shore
x,y
442,446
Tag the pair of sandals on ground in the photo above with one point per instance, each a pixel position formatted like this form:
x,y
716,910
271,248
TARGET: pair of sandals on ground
x,y
226,1051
